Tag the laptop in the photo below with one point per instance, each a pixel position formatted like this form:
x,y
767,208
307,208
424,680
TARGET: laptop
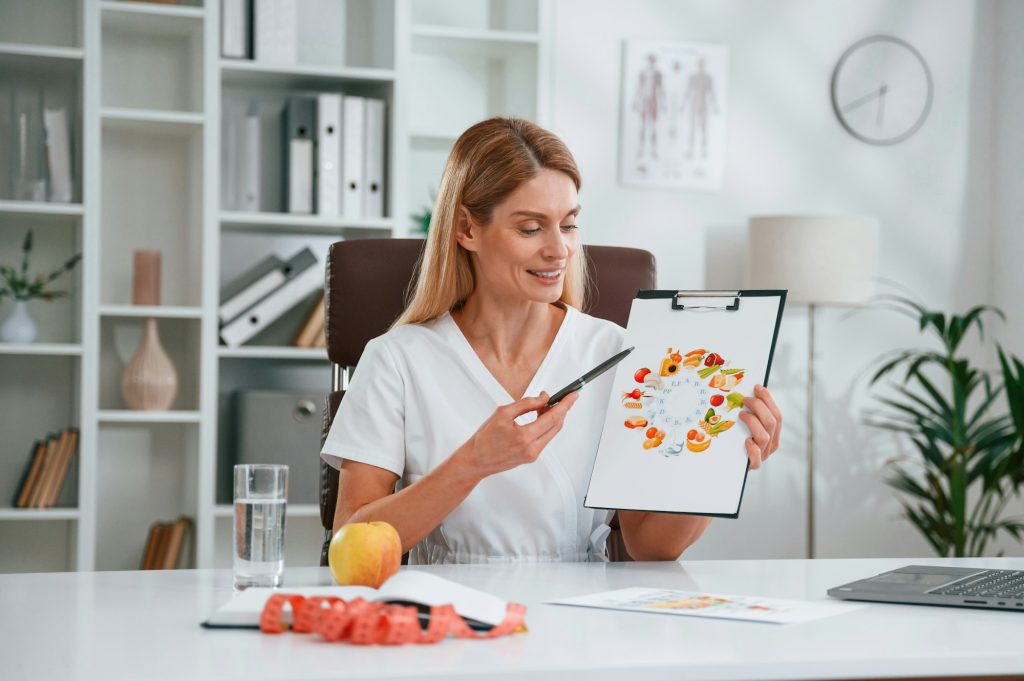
x,y
930,585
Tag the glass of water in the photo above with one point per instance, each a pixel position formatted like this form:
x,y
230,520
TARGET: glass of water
x,y
261,494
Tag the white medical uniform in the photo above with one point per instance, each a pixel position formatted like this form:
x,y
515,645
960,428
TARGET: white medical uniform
x,y
420,391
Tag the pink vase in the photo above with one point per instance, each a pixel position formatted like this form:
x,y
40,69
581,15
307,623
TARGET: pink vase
x,y
149,381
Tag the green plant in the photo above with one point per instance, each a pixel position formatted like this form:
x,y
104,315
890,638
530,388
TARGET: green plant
x,y
971,461
423,217
18,284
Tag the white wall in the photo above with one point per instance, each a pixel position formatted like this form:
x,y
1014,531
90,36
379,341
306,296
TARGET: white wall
x,y
787,153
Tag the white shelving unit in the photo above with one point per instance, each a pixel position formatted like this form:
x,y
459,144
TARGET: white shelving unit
x,y
149,89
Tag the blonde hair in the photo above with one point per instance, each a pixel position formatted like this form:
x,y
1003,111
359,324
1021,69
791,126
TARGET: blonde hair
x,y
489,161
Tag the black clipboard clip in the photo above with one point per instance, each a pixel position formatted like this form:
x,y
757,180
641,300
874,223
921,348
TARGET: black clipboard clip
x,y
679,300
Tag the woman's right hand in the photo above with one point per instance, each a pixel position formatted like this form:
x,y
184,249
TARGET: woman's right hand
x,y
501,444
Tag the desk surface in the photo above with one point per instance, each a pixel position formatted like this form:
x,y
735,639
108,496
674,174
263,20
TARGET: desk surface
x,y
132,625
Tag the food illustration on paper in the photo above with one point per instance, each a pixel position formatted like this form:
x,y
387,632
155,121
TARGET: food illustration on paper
x,y
685,403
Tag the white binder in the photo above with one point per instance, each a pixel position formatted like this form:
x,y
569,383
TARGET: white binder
x,y
234,29
300,121
276,31
249,160
58,154
353,118
303,278
328,126
373,168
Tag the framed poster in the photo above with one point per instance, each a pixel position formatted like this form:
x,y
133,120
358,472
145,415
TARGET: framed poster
x,y
673,114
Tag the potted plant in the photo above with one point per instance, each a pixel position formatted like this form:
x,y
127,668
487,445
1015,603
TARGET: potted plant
x,y
970,456
17,283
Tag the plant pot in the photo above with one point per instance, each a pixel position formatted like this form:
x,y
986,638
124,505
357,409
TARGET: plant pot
x,y
149,381
19,327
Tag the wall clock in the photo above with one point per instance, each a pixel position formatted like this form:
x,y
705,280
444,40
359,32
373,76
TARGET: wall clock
x,y
881,90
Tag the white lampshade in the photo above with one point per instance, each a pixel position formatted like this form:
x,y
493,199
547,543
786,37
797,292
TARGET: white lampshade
x,y
820,259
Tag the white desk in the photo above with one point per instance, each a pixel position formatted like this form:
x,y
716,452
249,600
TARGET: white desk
x,y
145,625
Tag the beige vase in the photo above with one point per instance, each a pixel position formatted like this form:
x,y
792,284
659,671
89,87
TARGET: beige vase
x,y
149,381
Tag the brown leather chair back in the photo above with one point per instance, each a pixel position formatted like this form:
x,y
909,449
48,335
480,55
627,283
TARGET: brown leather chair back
x,y
367,284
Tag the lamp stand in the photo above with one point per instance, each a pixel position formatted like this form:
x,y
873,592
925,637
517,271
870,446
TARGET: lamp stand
x,y
810,430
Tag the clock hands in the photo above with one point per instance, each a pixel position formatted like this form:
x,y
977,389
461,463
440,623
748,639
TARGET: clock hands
x,y
878,94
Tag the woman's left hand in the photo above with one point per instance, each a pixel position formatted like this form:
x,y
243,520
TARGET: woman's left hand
x,y
764,421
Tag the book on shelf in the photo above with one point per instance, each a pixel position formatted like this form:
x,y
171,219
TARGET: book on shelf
x,y
48,465
304,277
31,474
250,287
165,544
312,327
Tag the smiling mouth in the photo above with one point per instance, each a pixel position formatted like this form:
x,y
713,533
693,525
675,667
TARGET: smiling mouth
x,y
550,275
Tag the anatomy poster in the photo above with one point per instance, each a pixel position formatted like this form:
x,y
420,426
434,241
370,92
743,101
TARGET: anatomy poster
x,y
673,118
672,438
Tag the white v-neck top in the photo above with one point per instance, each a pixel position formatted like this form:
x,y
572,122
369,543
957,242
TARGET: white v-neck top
x,y
420,391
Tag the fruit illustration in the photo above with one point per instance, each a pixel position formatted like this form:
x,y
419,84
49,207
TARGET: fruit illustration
x,y
635,394
636,422
717,381
641,374
716,400
728,382
676,357
714,419
651,433
699,442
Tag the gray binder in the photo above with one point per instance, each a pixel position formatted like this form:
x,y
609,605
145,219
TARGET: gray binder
x,y
283,427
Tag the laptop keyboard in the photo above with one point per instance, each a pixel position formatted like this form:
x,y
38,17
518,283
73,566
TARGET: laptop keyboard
x,y
990,583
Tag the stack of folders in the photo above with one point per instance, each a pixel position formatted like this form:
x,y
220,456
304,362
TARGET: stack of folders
x,y
47,467
250,303
165,544
284,31
333,156
35,128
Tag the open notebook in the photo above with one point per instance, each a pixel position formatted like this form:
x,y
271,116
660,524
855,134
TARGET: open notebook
x,y
408,587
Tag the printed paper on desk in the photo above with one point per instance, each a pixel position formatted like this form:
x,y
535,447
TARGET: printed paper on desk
x,y
672,440
717,606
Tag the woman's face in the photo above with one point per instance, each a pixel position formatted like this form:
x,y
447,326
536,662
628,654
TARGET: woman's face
x,y
523,253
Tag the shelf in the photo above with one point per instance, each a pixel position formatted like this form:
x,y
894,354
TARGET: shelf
x,y
273,352
308,224
55,349
152,19
40,208
156,311
293,510
446,41
41,52
39,514
152,120
129,416
251,73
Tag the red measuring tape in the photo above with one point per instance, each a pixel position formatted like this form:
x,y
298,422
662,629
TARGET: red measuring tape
x,y
364,623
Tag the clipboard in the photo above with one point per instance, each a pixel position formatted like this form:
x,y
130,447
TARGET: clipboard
x,y
672,441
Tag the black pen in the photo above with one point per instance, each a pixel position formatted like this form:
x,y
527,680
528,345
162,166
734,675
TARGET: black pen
x,y
588,377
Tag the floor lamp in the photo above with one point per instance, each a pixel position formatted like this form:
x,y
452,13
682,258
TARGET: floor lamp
x,y
820,260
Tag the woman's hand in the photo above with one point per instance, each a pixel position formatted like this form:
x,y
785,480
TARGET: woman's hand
x,y
764,421
501,444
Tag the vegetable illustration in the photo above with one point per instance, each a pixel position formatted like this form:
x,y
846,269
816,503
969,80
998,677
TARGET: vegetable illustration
x,y
707,371
735,400
641,374
716,400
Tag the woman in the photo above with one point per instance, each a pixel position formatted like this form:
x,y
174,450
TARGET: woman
x,y
449,403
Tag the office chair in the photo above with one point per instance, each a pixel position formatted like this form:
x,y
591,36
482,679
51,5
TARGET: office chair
x,y
365,289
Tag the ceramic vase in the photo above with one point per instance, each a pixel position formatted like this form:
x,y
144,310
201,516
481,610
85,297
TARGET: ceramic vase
x,y
149,381
19,327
